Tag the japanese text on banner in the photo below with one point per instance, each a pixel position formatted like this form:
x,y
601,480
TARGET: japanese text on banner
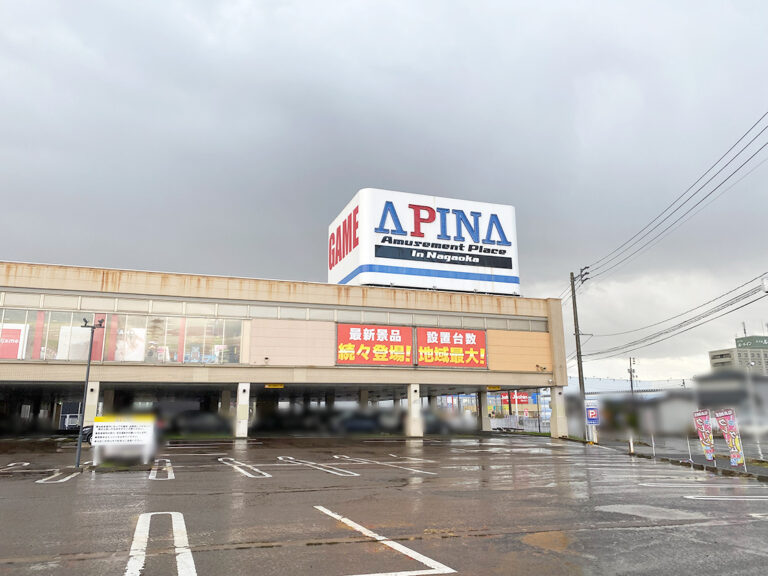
x,y
451,347
374,345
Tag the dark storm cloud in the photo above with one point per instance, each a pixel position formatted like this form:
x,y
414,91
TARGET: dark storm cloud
x,y
198,137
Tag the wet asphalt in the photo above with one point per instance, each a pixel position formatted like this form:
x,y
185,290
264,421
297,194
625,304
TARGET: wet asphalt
x,y
480,506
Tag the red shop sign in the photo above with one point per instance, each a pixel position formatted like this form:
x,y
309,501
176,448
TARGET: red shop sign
x,y
374,345
451,347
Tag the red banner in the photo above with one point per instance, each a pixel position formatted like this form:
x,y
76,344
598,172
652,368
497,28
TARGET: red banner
x,y
451,347
522,398
374,345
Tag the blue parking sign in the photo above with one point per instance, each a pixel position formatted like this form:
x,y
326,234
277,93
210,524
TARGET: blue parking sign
x,y
593,413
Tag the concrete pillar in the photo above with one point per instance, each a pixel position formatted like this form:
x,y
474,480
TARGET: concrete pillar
x,y
414,425
363,398
558,424
225,399
330,400
91,404
433,403
56,415
242,409
482,411
108,402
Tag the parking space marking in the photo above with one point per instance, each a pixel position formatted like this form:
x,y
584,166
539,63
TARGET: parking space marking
x,y
411,458
742,498
50,479
240,467
316,466
167,467
435,567
12,465
366,461
178,454
699,484
185,564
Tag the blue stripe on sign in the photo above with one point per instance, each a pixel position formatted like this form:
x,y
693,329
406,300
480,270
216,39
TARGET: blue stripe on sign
x,y
430,273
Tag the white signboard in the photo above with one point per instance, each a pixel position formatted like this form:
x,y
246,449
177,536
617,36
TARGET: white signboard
x,y
114,431
395,238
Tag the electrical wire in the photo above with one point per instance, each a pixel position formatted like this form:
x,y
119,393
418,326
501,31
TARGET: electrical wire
x,y
678,333
681,313
676,200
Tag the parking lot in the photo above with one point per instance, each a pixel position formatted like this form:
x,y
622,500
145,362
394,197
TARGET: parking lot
x,y
383,506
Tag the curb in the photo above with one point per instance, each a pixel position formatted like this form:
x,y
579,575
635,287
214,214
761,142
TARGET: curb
x,y
696,466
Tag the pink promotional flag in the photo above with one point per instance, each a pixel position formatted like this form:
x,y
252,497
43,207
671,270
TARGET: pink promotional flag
x,y
726,421
704,428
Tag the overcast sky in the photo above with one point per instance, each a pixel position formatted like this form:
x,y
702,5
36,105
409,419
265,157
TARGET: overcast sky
x,y
223,138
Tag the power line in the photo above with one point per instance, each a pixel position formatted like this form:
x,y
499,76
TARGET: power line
x,y
713,310
685,213
680,332
677,225
681,313
597,262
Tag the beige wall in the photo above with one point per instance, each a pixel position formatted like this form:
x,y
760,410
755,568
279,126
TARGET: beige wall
x,y
105,281
292,343
519,351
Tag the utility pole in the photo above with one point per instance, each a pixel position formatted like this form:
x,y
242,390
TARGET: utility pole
x,y
583,273
631,371
92,328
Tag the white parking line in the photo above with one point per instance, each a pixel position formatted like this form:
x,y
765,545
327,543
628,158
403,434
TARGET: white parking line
x,y
698,484
316,466
178,454
50,479
167,467
741,498
239,466
366,461
434,566
411,458
11,465
185,564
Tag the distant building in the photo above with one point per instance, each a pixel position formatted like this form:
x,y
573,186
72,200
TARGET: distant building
x,y
748,349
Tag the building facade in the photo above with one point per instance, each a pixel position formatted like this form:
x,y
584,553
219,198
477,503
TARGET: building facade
x,y
748,350
236,341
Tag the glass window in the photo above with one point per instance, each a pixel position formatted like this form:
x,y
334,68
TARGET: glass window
x,y
155,349
113,329
57,340
173,334
539,325
194,340
79,338
132,340
13,334
232,334
213,349
35,335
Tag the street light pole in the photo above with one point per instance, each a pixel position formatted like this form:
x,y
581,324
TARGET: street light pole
x,y
92,328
